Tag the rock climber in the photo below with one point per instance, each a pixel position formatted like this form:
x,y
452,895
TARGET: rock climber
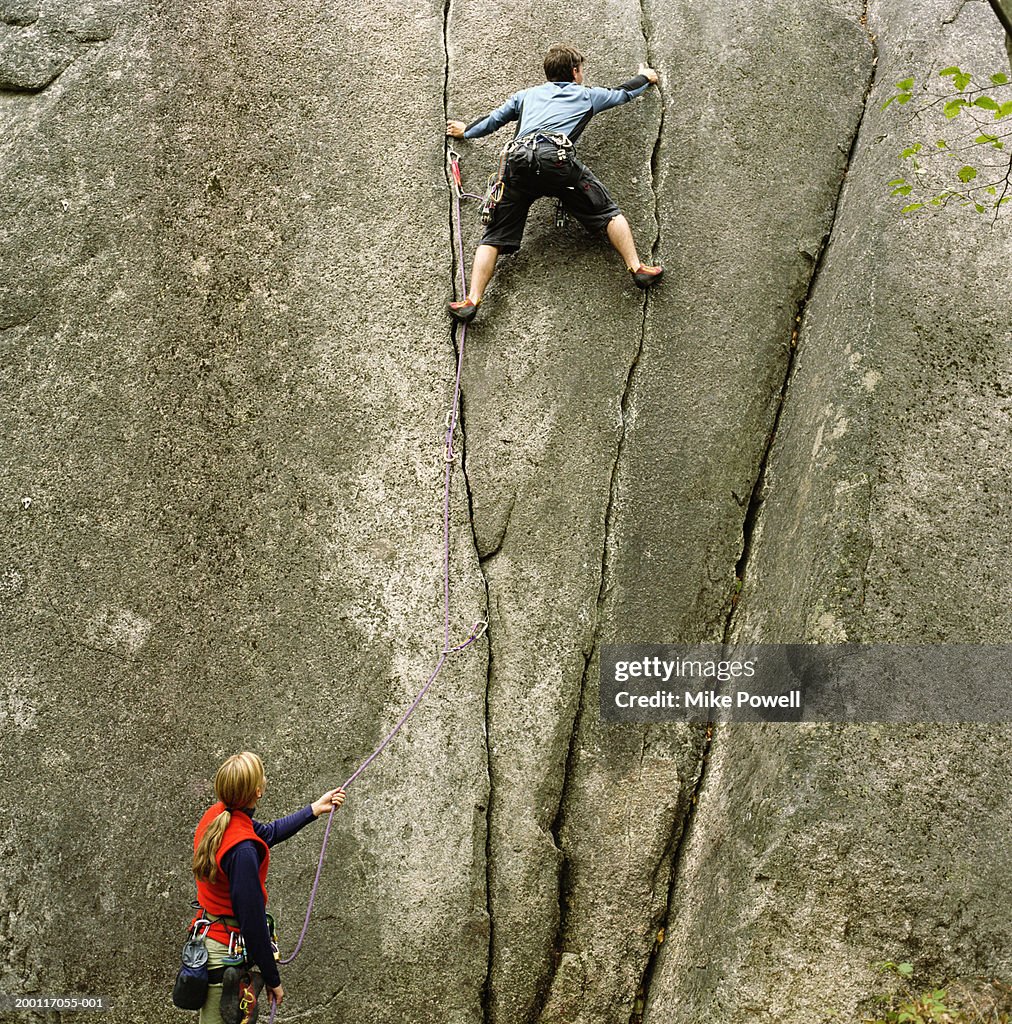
x,y
231,852
540,161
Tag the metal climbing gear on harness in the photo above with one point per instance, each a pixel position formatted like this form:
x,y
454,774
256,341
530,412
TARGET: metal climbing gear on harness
x,y
531,150
495,190
561,213
492,199
450,428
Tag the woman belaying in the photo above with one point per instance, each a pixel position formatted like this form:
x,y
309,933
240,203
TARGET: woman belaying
x,y
231,853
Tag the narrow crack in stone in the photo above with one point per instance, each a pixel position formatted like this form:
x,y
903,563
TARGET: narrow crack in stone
x,y
461,423
646,27
606,558
542,996
679,836
13,325
682,817
758,496
486,990
755,503
951,18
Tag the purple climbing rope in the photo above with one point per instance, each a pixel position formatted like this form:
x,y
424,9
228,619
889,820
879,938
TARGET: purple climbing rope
x,y
479,627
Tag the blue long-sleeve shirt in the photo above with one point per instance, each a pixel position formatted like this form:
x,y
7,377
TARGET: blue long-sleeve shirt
x,y
556,107
242,867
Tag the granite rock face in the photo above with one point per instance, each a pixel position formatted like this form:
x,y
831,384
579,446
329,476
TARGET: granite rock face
x,y
227,244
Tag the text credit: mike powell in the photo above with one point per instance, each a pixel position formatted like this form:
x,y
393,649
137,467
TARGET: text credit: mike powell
x,y
806,683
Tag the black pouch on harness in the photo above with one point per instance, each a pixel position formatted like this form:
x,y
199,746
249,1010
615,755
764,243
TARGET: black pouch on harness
x,y
190,990
549,157
240,992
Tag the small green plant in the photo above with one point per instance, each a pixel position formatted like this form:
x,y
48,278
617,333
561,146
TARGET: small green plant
x,y
971,165
962,1004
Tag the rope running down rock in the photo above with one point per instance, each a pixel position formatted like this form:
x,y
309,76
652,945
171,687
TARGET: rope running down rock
x,y
479,627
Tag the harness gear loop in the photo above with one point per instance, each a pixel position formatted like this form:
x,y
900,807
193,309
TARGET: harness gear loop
x,y
527,147
496,187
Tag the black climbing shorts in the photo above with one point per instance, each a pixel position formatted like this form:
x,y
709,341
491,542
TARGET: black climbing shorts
x,y
582,195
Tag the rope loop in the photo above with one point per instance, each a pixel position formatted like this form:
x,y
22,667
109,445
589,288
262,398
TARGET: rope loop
x,y
478,630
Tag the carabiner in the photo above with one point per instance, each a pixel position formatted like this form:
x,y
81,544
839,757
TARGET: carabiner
x,y
455,171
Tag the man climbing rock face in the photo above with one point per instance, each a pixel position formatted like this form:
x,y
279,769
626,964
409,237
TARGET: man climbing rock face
x,y
541,162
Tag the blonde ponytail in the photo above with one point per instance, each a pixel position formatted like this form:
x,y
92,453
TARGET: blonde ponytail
x,y
236,785
205,867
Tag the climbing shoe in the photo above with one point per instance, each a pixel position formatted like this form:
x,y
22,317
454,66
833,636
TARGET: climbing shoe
x,y
464,311
240,991
646,277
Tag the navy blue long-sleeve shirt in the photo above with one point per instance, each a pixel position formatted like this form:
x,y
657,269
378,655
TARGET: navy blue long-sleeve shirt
x,y
242,867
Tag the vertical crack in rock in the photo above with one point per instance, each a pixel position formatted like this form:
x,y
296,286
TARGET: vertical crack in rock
x,y
679,838
606,560
461,423
486,1000
646,27
758,495
447,144
683,817
562,901
754,505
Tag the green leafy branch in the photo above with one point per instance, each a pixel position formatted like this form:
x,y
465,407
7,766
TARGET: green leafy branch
x,y
959,168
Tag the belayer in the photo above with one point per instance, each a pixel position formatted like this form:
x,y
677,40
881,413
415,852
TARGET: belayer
x,y
540,161
231,853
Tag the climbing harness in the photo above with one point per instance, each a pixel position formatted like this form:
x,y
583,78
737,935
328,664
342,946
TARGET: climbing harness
x,y
529,154
532,149
477,630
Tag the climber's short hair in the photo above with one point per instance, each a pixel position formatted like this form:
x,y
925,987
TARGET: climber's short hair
x,y
561,63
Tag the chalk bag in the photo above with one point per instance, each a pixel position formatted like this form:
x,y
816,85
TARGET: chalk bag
x,y
190,990
240,990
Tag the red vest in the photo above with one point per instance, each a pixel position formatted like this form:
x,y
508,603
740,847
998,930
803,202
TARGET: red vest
x,y
214,896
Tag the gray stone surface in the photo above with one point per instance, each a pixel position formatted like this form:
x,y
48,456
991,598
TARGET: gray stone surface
x,y
697,409
222,486
818,851
223,258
